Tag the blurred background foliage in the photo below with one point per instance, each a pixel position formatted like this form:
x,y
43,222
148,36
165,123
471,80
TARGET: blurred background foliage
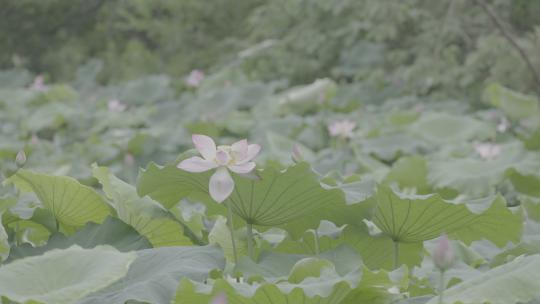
x,y
438,48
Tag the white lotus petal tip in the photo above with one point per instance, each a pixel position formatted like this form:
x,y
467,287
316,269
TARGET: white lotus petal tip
x,y
221,185
205,145
196,164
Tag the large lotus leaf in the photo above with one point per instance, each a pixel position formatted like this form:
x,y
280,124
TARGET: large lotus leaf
x,y
307,244
514,104
305,98
389,146
355,190
475,177
4,242
442,128
514,282
63,276
148,89
280,197
417,218
168,185
144,214
156,273
377,251
308,280
410,173
71,203
111,232
221,235
335,290
277,197
338,213
525,183
274,266
280,148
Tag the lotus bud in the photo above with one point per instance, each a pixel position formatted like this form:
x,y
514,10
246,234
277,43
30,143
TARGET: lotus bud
x,y
20,159
219,299
443,255
129,159
297,154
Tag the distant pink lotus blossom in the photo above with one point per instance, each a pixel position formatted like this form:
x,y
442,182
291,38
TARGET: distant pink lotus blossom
x,y
236,158
487,150
503,125
20,158
39,84
219,299
34,140
443,255
195,78
296,154
343,129
115,105
129,159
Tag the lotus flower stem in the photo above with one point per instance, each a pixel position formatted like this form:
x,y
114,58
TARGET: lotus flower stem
x,y
231,228
250,240
317,248
396,254
441,287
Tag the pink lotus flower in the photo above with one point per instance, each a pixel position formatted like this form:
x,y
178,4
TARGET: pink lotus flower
x,y
20,158
195,78
487,150
39,84
115,105
443,255
296,154
503,125
342,128
236,158
219,299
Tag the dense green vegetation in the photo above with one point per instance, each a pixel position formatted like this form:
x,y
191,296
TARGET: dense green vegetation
x,y
399,157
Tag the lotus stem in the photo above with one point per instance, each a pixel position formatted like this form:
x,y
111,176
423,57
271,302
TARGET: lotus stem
x,y
317,247
441,287
396,254
231,228
250,240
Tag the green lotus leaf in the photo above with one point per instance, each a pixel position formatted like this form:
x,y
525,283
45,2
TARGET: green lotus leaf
x,y
442,128
514,104
277,198
145,215
280,197
221,235
525,183
417,218
275,266
111,232
168,185
377,251
155,274
410,173
63,276
311,280
476,177
514,282
71,203
4,242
